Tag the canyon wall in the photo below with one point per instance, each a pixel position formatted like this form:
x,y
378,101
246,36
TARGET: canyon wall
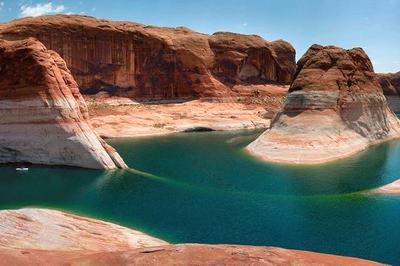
x,y
44,119
134,60
335,108
390,83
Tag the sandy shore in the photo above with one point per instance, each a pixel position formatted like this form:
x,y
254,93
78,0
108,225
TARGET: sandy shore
x,y
130,119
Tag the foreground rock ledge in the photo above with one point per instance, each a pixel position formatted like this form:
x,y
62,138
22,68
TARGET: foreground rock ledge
x,y
335,108
50,237
44,119
391,189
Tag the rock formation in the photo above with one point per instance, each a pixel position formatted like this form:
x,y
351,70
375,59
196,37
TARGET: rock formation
x,y
390,83
392,189
43,115
134,60
45,229
48,237
335,108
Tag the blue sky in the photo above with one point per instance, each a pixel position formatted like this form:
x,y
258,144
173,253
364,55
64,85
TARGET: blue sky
x,y
372,25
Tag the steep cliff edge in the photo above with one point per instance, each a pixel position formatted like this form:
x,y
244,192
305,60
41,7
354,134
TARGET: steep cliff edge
x,y
146,62
50,237
43,115
335,108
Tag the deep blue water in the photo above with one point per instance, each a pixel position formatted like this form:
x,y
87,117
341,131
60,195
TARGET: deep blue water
x,y
203,187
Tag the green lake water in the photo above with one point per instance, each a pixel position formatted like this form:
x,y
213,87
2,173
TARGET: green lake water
x,y
203,188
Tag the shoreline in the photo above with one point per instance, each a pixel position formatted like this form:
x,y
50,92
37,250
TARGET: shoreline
x,y
75,239
297,162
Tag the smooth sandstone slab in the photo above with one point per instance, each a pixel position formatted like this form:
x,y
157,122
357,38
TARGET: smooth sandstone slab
x,y
334,109
50,237
389,189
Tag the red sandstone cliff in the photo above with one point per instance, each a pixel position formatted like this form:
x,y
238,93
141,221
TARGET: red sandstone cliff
x,y
43,115
335,107
135,60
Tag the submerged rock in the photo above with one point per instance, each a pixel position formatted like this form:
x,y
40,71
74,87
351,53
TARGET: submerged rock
x,y
131,59
44,119
335,108
49,237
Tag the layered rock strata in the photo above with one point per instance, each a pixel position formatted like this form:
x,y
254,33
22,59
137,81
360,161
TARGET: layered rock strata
x,y
134,60
335,108
44,119
49,237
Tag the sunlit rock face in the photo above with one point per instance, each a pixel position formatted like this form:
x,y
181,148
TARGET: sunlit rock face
x,y
49,237
335,108
130,59
43,115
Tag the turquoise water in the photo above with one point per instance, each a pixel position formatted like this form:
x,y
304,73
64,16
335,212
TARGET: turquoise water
x,y
202,187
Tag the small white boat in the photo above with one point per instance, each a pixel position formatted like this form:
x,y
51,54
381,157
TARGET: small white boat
x,y
22,169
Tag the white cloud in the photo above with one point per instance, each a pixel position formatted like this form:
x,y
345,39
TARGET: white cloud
x,y
40,9
1,5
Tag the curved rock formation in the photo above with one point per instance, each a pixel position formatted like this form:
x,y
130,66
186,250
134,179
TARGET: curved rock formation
x,y
335,108
48,237
134,60
392,189
43,115
44,229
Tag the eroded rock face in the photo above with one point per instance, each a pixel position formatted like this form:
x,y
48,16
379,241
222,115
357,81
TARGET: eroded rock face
x,y
43,115
49,237
335,107
134,60
390,83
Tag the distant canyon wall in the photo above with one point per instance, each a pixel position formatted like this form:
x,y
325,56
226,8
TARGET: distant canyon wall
x,y
390,83
134,60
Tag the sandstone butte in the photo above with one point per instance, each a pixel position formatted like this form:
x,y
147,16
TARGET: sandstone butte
x,y
335,108
44,119
50,237
147,62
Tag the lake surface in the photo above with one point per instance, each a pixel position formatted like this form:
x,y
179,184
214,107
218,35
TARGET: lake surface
x,y
203,187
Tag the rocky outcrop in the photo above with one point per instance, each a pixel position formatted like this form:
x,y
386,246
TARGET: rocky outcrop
x,y
335,108
134,60
390,83
44,229
48,237
392,189
43,115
